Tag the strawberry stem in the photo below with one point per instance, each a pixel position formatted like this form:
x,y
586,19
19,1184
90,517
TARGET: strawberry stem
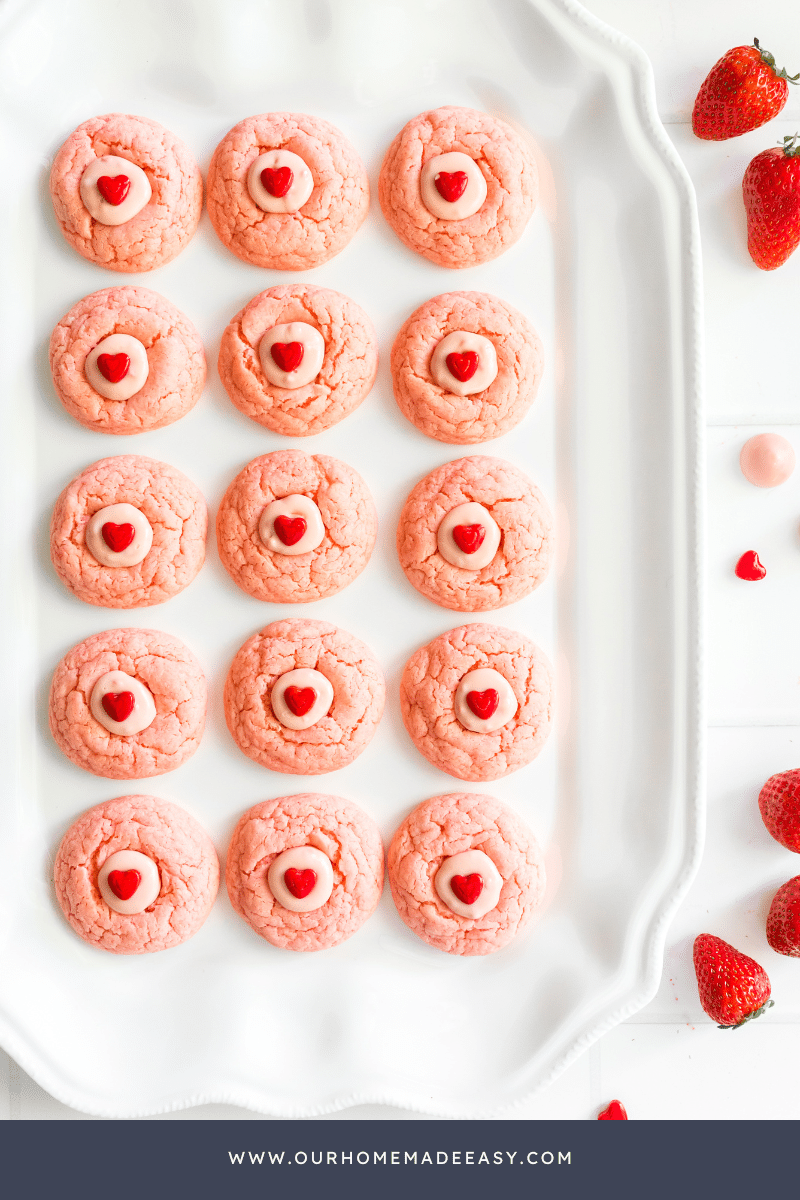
x,y
757,1012
769,59
791,145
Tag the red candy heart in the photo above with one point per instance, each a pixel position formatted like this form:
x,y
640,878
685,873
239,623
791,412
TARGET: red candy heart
x,y
118,537
287,355
113,188
483,704
299,700
119,705
290,529
124,883
614,1112
451,184
467,888
469,538
300,883
462,366
750,566
277,180
113,367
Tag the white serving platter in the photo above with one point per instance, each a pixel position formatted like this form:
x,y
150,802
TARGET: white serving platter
x,y
609,272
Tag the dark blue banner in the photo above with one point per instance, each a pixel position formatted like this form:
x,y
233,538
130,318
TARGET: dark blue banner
x,y
328,1160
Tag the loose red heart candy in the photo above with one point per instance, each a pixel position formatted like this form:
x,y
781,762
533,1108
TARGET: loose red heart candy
x,y
124,883
451,184
614,1112
287,355
462,366
750,566
113,188
277,180
290,529
483,704
118,537
113,367
467,888
119,705
300,883
469,538
299,700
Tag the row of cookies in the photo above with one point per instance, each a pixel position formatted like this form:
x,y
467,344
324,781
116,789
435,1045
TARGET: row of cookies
x,y
138,874
297,359
288,191
129,532
302,697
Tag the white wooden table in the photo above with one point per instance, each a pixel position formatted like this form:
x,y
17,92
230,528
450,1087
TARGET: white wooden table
x,y
670,1061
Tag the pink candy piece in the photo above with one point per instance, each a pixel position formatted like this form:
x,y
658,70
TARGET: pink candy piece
x,y
767,460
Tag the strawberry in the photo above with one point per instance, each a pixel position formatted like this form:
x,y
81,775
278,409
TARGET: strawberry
x,y
783,921
733,988
741,91
779,803
771,188
614,1112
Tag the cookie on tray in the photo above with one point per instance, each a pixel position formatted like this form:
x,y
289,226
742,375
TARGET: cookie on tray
x,y
125,360
303,697
128,704
135,875
475,534
295,527
466,873
129,532
286,191
298,359
305,871
478,701
127,193
466,367
458,186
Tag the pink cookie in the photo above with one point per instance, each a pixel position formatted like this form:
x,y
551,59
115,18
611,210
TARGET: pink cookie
x,y
466,873
333,374
495,348
303,697
127,193
293,527
475,534
477,701
286,191
125,360
101,856
128,532
305,871
458,186
128,704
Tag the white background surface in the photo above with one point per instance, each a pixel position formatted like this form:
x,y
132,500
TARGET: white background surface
x,y
670,1061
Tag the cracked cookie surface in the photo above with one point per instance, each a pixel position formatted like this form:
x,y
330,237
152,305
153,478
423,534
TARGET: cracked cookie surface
x,y
522,559
454,824
464,420
506,163
165,667
348,515
427,692
348,368
337,738
175,356
292,241
160,230
181,849
337,827
175,510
